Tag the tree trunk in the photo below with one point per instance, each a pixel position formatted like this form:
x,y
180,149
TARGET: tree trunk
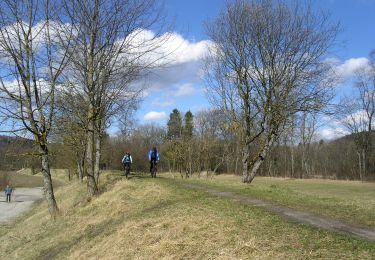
x,y
286,162
302,163
292,162
92,187
174,165
246,164
364,165
48,187
98,155
360,165
236,161
190,162
80,167
218,165
269,169
255,165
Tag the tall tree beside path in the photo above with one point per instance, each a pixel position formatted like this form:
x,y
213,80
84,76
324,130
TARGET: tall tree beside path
x,y
267,64
32,62
70,127
115,45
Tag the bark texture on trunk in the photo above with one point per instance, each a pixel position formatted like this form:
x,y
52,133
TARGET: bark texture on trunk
x,y
360,166
260,159
252,167
292,162
48,187
364,164
98,155
80,167
246,163
92,187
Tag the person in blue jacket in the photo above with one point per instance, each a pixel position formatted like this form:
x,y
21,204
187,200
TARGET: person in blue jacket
x,y
8,192
153,156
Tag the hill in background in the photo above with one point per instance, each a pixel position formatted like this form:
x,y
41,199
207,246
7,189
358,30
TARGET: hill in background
x,y
15,153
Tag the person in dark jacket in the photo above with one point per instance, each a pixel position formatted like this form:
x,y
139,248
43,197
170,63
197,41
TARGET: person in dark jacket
x,y
8,192
153,156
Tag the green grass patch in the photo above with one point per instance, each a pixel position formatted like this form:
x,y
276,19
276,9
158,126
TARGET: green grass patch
x,y
350,201
144,218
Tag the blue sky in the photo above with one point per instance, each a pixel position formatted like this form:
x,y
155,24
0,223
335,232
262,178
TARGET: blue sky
x,y
181,87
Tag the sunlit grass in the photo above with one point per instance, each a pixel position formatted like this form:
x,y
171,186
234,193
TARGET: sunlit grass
x,y
144,218
351,201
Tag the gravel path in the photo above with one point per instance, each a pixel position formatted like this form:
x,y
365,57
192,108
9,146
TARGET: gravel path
x,y
359,231
22,199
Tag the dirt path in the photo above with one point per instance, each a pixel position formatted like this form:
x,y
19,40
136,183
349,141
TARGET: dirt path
x,y
359,231
22,199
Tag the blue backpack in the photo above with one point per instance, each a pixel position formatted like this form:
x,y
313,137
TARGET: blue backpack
x,y
154,156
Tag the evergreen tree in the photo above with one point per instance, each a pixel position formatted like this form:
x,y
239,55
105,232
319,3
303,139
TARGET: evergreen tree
x,y
174,124
188,126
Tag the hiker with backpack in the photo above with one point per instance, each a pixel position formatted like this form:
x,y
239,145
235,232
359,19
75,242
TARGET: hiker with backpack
x,y
154,158
127,160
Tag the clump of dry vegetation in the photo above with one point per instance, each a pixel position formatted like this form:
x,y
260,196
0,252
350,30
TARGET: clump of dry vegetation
x,y
144,218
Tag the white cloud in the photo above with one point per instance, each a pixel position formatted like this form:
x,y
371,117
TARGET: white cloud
x,y
348,68
185,51
180,60
39,35
358,119
330,128
336,128
17,88
170,48
184,90
331,133
154,116
166,103
145,93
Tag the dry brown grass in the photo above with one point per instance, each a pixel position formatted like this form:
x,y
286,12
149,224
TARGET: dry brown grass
x,y
145,218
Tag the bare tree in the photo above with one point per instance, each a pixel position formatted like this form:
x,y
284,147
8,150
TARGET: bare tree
x,y
214,140
70,127
307,129
32,62
114,48
265,66
357,114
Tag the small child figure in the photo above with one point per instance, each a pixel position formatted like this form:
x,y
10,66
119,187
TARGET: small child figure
x,y
8,192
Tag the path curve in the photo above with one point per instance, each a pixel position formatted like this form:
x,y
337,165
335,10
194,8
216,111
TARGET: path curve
x,y
22,199
360,231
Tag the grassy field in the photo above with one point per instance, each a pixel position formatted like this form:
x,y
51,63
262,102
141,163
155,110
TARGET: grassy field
x,y
351,201
25,179
144,218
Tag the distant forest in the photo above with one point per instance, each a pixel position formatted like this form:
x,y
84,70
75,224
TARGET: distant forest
x,y
200,145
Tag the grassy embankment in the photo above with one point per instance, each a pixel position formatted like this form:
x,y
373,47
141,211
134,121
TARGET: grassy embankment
x,y
146,218
350,201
